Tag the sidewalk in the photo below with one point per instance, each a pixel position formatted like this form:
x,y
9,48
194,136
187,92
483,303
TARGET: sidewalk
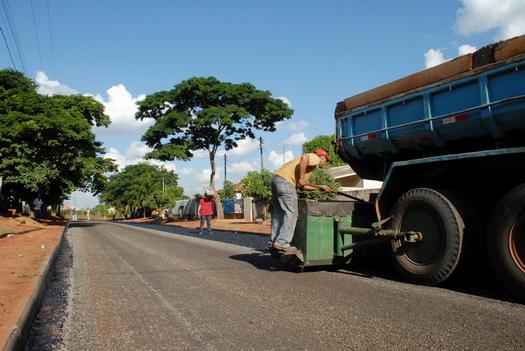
x,y
230,225
25,250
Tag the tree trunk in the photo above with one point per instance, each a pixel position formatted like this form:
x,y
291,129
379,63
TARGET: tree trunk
x,y
218,204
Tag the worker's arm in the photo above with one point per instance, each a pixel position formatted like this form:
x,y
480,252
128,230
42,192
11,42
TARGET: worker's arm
x,y
302,184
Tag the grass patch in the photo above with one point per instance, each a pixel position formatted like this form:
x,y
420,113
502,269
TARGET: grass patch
x,y
4,230
36,261
27,275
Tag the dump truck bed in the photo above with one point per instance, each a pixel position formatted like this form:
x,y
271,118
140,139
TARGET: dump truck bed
x,y
475,102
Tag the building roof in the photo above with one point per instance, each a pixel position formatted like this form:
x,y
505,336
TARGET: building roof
x,y
341,172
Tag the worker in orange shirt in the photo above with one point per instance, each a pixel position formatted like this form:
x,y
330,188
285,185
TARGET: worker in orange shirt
x,y
291,176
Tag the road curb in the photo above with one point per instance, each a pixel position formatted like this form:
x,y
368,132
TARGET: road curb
x,y
20,333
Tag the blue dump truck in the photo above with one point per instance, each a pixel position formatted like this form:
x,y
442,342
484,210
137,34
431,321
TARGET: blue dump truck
x,y
449,145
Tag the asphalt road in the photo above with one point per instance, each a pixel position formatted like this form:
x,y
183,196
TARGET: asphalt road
x,y
140,289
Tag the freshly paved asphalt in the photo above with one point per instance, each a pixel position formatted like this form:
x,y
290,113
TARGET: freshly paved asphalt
x,y
140,289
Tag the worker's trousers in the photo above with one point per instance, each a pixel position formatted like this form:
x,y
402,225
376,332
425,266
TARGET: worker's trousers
x,y
284,210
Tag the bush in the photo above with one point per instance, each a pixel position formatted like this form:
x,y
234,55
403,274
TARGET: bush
x,y
320,177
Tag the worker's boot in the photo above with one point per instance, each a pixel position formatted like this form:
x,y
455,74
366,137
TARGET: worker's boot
x,y
284,247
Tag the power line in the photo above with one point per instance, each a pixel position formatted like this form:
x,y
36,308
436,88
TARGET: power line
x,y
9,37
51,39
14,33
8,50
37,38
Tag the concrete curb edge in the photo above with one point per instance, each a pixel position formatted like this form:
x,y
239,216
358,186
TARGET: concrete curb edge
x,y
20,333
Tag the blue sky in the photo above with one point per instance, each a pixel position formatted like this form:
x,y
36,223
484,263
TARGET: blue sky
x,y
311,54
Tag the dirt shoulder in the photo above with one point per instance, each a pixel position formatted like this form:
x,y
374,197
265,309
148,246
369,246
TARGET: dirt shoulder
x,y
25,247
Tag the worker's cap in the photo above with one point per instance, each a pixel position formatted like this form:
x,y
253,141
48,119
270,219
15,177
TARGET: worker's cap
x,y
322,152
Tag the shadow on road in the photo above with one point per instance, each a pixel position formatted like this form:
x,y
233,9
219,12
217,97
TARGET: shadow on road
x,y
262,260
485,285
480,281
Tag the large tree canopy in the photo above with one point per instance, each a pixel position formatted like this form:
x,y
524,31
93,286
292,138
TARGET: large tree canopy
x,y
142,187
47,146
205,113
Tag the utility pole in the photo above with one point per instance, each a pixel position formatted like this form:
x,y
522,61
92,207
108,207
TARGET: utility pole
x,y
225,159
261,149
283,144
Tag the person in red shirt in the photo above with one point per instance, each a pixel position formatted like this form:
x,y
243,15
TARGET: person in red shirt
x,y
205,211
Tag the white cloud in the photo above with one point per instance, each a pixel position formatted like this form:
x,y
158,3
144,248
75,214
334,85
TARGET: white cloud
x,y
297,126
507,17
135,153
434,57
117,157
276,159
121,108
466,49
52,87
170,166
137,149
285,100
241,167
204,176
244,147
296,139
202,153
185,171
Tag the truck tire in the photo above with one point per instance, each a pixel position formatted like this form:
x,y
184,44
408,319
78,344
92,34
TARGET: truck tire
x,y
435,258
506,241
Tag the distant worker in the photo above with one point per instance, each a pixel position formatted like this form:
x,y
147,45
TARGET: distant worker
x,y
37,207
88,214
291,176
205,210
74,216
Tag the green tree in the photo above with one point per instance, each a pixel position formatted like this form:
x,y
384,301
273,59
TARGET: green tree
x,y
205,113
142,187
227,191
47,146
326,142
100,210
320,177
257,185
